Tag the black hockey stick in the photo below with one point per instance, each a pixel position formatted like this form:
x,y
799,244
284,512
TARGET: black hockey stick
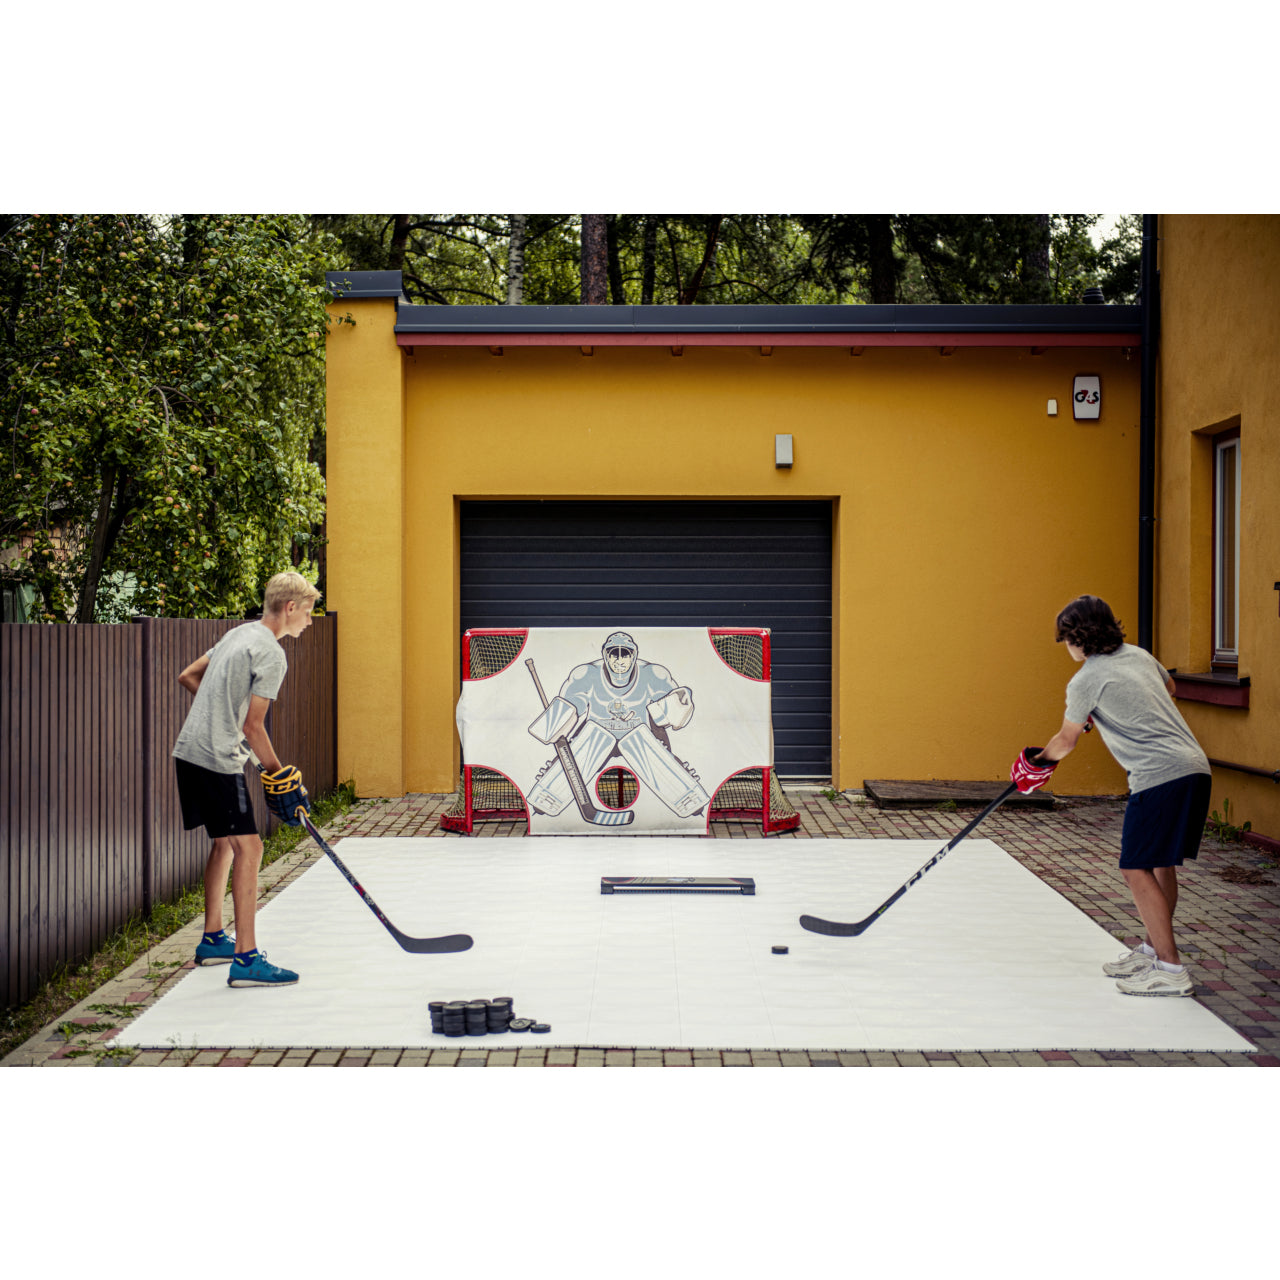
x,y
418,946
600,817
833,929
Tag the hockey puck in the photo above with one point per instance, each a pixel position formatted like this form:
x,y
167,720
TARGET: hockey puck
x,y
540,1028
780,951
521,1024
436,1006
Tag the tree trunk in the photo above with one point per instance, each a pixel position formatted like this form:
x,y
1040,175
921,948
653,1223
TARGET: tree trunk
x,y
649,261
399,241
616,295
101,527
884,268
690,294
595,261
518,223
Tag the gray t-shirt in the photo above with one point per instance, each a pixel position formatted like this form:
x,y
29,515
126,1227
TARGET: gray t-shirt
x,y
248,660
1131,707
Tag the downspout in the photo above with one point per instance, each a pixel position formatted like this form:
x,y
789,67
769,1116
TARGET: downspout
x,y
1150,299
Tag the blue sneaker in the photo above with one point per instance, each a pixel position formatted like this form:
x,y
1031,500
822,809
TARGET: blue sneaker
x,y
216,952
259,972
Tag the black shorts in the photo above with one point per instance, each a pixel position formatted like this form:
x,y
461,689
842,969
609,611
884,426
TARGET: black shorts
x,y
219,802
1163,825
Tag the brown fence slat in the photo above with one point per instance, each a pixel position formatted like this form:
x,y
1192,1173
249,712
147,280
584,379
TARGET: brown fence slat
x,y
87,777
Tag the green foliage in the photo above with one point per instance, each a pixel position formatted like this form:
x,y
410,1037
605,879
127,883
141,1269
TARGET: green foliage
x,y
1223,827
162,393
667,259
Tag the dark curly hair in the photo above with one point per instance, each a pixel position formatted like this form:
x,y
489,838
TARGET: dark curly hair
x,y
1088,623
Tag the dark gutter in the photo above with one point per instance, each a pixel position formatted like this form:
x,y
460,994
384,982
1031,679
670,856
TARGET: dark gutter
x,y
771,319
1150,309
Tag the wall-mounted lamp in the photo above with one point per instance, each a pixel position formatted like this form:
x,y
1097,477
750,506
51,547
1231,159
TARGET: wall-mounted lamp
x,y
782,451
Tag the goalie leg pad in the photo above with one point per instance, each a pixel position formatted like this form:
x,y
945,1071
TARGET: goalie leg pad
x,y
667,776
551,792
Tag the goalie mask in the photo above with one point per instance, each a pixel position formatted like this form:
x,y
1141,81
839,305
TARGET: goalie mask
x,y
619,652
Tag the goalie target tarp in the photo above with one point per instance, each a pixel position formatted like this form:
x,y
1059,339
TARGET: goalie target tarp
x,y
659,704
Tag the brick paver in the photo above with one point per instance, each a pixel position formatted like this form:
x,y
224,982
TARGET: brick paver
x,y
1229,931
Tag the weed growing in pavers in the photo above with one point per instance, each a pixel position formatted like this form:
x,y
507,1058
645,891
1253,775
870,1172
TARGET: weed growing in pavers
x,y
68,1030
114,1010
1223,827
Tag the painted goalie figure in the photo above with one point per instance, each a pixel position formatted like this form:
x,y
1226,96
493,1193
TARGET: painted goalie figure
x,y
618,708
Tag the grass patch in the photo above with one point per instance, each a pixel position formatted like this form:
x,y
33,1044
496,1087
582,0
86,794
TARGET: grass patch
x,y
72,983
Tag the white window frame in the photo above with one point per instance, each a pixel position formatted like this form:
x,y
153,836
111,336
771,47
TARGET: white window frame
x,y
1226,550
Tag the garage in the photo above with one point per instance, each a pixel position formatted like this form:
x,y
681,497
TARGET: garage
x,y
675,564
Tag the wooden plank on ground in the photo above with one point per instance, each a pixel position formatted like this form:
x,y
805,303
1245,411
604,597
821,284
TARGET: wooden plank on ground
x,y
907,794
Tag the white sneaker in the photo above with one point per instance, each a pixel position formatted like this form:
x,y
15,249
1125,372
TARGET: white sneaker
x,y
1130,963
1156,982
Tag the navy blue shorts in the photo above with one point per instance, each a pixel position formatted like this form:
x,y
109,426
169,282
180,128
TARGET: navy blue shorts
x,y
219,802
1163,825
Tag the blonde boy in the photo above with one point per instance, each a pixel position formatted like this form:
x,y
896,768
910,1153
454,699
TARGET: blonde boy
x,y
234,685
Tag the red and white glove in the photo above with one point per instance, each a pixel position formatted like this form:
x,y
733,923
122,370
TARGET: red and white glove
x,y
1028,774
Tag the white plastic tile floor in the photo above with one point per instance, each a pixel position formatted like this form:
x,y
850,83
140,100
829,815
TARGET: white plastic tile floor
x,y
979,955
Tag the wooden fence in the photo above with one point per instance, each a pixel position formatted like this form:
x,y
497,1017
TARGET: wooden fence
x,y
91,827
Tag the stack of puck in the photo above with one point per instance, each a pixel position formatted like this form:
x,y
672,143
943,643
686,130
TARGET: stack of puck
x,y
498,1013
480,1017
449,1017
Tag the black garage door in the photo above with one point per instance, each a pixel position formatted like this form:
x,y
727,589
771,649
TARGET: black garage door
x,y
672,564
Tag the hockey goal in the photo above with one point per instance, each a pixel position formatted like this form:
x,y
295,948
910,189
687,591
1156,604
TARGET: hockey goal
x,y
754,795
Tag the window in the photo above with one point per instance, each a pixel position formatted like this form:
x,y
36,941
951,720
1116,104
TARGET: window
x,y
1226,549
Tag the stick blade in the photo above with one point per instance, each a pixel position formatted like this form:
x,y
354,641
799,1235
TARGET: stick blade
x,y
613,817
832,928
436,946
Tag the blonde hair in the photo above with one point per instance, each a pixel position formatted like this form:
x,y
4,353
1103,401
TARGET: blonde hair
x,y
288,586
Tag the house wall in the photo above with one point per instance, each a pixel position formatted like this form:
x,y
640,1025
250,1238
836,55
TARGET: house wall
x,y
964,517
1220,306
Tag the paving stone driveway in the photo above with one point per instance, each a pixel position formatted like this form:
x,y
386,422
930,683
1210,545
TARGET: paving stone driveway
x,y
1229,929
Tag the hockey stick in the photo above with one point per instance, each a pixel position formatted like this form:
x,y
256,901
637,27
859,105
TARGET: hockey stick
x,y
418,946
833,929
600,817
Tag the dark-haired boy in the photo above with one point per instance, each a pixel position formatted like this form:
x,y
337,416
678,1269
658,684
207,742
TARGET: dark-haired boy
x,y
1128,696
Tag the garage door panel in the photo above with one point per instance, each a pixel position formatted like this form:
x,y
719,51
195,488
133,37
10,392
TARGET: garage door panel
x,y
757,564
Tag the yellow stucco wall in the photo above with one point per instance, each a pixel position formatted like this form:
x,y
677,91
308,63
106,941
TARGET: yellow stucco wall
x,y
964,517
1220,288
365,525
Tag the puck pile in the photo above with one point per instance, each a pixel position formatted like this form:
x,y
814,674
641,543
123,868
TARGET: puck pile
x,y
480,1018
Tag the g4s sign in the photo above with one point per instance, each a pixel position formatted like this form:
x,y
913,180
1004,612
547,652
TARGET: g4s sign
x,y
1086,401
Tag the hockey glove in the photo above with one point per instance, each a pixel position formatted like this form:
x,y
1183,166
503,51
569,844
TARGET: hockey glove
x,y
1028,773
286,794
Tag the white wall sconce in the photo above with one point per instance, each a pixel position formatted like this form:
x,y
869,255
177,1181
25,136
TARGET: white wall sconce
x,y
782,451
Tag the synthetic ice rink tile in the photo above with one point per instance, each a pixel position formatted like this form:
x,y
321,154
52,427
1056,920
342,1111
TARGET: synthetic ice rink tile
x,y
979,955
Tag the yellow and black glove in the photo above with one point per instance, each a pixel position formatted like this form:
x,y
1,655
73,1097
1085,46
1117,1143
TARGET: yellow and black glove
x,y
286,794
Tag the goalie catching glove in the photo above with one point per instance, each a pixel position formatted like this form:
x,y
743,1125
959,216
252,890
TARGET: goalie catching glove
x,y
1028,773
674,711
286,794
